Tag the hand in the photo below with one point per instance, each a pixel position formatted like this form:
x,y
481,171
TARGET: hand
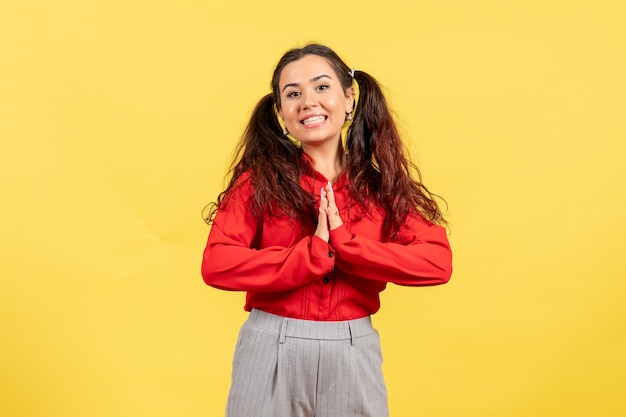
x,y
329,218
332,212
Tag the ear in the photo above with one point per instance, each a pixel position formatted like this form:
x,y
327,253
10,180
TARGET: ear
x,y
349,99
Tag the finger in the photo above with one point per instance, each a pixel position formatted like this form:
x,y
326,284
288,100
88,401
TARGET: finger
x,y
323,206
332,205
322,218
334,218
323,199
330,193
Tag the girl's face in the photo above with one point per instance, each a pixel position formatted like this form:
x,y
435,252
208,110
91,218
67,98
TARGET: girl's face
x,y
313,101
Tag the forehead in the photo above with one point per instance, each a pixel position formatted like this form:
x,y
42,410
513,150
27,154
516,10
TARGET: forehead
x,y
305,69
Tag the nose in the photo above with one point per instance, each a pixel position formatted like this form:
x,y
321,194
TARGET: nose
x,y
309,99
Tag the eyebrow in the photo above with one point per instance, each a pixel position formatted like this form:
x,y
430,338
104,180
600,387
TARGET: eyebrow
x,y
314,79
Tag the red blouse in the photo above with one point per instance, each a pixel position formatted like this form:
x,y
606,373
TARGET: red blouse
x,y
296,274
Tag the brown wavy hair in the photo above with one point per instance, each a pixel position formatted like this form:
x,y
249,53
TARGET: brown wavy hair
x,y
380,172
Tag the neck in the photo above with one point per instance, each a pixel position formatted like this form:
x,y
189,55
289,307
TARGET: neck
x,y
327,160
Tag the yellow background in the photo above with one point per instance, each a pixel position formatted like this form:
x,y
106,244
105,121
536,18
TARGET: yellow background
x,y
117,121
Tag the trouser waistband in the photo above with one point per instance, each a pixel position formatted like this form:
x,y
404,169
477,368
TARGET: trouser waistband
x,y
309,329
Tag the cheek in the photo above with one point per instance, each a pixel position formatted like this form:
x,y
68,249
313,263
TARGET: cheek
x,y
288,112
339,104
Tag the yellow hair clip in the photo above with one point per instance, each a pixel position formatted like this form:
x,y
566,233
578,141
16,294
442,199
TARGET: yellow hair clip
x,y
350,116
285,131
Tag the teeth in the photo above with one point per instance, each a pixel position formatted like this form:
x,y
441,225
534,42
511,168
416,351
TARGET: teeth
x,y
315,119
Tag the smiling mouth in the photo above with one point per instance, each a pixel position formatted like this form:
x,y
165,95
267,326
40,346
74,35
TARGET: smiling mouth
x,y
313,120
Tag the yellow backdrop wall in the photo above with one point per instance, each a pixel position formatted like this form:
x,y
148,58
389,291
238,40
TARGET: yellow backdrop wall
x,y
117,121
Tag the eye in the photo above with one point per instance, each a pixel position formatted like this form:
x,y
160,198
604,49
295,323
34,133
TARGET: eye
x,y
323,87
293,94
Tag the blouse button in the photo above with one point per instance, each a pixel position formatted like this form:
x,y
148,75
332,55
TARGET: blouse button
x,y
326,280
330,254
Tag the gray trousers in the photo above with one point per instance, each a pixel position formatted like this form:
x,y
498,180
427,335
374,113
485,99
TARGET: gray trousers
x,y
300,368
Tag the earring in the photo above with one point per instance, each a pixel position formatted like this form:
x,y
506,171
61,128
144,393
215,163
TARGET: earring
x,y
285,131
348,116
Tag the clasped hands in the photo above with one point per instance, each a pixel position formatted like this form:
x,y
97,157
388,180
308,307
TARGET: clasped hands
x,y
329,218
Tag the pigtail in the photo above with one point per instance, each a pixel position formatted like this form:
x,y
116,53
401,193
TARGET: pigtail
x,y
272,164
380,164
262,140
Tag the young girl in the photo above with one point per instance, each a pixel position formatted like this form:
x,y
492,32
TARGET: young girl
x,y
321,212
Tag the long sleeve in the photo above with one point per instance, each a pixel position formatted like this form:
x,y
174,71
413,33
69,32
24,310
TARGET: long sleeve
x,y
229,262
422,258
